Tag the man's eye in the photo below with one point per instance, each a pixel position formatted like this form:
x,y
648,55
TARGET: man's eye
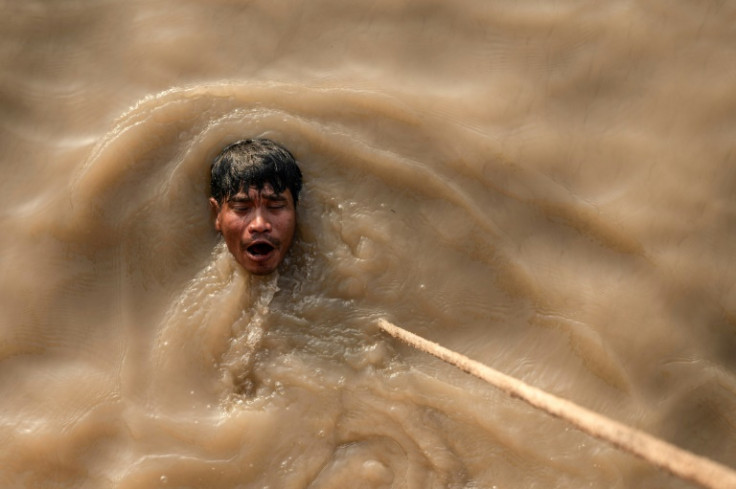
x,y
276,205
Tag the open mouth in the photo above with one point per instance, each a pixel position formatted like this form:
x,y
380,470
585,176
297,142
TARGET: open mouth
x,y
261,248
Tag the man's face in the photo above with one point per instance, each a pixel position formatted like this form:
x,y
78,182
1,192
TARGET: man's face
x,y
258,227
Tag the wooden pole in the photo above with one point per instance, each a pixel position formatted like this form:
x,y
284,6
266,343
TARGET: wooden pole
x,y
674,460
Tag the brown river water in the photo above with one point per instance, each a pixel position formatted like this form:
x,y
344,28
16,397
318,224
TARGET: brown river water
x,y
546,187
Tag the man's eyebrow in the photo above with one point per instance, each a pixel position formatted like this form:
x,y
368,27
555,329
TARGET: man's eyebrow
x,y
239,198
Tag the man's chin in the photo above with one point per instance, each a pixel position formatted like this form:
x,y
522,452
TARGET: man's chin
x,y
260,267
261,272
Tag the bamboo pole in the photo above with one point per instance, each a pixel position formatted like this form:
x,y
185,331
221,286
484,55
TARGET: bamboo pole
x,y
679,462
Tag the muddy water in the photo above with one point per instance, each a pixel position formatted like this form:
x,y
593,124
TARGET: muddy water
x,y
545,187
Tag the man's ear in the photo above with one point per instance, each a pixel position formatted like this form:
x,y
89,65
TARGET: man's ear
x,y
215,210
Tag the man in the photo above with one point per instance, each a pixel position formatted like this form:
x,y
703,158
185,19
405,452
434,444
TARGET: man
x,y
255,189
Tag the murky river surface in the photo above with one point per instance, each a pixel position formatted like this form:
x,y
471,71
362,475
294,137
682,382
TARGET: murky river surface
x,y
546,187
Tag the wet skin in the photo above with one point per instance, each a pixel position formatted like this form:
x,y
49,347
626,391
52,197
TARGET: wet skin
x,y
258,227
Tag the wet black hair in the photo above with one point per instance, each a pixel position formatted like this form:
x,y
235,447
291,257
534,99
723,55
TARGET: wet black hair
x,y
254,163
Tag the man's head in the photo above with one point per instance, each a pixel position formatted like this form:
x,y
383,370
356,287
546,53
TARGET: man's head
x,y
255,188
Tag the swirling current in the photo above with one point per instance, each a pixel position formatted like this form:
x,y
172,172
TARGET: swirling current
x,y
545,187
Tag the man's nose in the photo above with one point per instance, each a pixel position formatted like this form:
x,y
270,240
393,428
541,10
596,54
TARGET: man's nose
x,y
259,223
